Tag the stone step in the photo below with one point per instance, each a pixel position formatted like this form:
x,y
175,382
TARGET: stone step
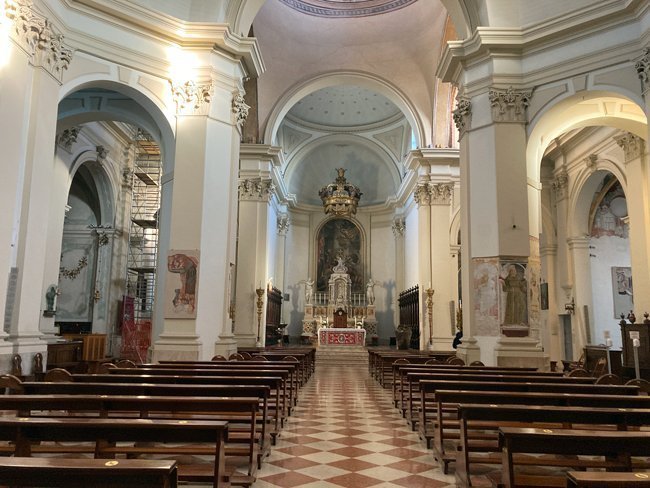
x,y
347,355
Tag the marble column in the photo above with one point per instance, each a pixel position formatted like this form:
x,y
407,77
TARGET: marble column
x,y
582,295
283,224
398,227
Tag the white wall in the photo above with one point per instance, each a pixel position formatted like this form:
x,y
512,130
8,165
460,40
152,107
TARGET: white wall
x,y
383,271
411,248
296,269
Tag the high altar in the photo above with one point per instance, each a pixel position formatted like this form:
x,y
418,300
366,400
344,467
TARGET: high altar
x,y
339,317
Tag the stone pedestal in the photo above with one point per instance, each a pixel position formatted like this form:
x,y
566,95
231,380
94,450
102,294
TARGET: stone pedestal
x,y
521,352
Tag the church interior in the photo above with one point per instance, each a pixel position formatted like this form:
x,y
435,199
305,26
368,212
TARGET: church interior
x,y
348,182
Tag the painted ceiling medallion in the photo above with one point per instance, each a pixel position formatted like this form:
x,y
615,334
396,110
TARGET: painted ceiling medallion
x,y
346,8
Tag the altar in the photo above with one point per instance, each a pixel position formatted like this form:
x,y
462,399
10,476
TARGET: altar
x,y
329,336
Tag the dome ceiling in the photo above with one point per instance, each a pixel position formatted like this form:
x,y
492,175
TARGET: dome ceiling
x,y
344,106
346,8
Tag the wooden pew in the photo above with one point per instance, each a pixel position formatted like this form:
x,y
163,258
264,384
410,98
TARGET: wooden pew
x,y
413,379
617,449
584,479
82,473
26,433
428,408
447,402
384,363
486,419
240,413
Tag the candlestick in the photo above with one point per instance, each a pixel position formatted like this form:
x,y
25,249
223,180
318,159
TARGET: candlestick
x,y
260,305
429,303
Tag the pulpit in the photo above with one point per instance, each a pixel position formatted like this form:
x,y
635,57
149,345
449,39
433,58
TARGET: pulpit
x,y
340,319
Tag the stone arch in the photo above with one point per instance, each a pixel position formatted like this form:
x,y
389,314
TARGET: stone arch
x,y
365,80
115,100
105,183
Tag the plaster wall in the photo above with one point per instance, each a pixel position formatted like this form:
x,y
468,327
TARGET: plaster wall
x,y
296,269
382,271
411,249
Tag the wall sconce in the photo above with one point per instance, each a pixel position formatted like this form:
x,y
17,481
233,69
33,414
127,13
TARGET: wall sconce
x,y
570,307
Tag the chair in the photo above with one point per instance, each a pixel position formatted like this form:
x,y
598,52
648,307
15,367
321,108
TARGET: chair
x,y
125,363
293,359
401,361
58,375
456,361
257,357
644,385
476,363
579,373
246,355
609,379
219,357
433,361
599,368
235,357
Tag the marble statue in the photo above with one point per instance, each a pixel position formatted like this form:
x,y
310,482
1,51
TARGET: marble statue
x,y
309,291
370,292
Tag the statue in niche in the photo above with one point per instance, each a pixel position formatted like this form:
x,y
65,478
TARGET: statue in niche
x,y
515,287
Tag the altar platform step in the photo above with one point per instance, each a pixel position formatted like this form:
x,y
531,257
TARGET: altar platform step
x,y
347,355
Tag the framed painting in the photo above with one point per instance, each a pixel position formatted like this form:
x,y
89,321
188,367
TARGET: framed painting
x,y
181,285
622,290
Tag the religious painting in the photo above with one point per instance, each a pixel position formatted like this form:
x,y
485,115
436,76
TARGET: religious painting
x,y
608,217
486,297
339,238
181,284
514,294
622,290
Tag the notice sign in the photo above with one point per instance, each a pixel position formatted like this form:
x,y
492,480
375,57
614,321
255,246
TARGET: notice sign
x,y
634,334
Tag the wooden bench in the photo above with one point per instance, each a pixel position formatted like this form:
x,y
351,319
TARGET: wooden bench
x,y
143,437
428,410
82,473
616,449
447,430
479,426
584,479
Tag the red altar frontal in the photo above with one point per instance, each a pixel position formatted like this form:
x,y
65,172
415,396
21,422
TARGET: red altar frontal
x,y
341,337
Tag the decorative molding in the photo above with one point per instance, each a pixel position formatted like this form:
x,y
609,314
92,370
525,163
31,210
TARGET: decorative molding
x,y
239,108
72,273
283,223
345,8
509,105
591,161
190,98
462,115
561,184
68,137
256,189
399,226
38,37
632,145
433,193
643,68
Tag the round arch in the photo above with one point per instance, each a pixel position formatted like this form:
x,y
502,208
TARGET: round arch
x,y
111,102
588,108
103,180
365,80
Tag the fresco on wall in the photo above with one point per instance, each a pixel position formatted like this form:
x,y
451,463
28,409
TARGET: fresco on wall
x,y
339,238
608,218
513,293
181,285
76,279
622,290
533,272
486,298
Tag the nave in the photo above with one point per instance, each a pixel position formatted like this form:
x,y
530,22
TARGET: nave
x,y
346,433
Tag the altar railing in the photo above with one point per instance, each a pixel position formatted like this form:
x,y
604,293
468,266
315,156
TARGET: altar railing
x,y
321,299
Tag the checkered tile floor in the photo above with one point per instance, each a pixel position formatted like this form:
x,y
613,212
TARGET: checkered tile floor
x,y
346,433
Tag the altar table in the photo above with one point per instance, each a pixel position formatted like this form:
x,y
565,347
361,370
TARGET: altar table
x,y
341,337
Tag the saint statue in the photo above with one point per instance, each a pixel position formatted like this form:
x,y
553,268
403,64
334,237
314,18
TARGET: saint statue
x,y
370,292
309,291
514,285
50,297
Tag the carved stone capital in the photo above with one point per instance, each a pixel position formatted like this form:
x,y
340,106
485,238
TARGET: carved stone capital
x,y
102,154
68,137
509,105
643,68
421,194
190,98
283,223
399,226
441,193
239,108
257,189
38,37
632,145
561,185
462,115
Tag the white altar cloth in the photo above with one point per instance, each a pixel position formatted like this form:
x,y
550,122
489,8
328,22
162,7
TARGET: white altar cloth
x,y
329,336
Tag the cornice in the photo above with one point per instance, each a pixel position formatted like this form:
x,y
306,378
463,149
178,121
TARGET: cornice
x,y
392,121
486,42
432,157
196,35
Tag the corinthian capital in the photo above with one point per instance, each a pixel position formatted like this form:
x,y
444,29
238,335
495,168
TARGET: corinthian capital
x,y
239,108
441,193
38,37
561,185
399,226
462,115
633,146
258,189
283,223
191,98
643,67
509,105
422,195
